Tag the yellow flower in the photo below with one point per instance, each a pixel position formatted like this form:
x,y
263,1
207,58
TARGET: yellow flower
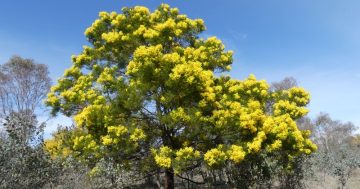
x,y
163,157
215,157
137,135
236,153
107,140
106,76
187,153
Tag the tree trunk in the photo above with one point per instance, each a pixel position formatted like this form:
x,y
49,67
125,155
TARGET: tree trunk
x,y
169,179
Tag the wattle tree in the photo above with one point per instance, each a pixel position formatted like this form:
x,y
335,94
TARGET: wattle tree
x,y
148,89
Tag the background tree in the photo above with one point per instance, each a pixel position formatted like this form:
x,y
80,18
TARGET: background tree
x,y
338,155
145,91
23,84
285,84
23,164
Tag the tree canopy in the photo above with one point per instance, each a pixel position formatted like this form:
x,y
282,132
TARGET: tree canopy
x,y
23,84
148,89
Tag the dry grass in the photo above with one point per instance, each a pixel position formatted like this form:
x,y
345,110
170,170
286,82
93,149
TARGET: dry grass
x,y
330,182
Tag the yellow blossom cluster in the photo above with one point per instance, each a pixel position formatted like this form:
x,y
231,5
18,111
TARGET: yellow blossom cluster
x,y
184,158
187,153
243,104
236,153
137,135
107,76
163,157
215,157
91,115
114,135
255,145
57,146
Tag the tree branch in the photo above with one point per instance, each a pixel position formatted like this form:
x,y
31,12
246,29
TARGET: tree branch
x,y
187,179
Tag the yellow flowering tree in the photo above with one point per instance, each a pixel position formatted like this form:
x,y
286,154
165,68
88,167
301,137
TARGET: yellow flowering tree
x,y
145,89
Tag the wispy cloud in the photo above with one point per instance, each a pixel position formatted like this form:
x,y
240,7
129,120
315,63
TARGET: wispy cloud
x,y
238,35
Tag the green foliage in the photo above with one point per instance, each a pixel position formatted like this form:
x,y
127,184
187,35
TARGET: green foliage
x,y
23,163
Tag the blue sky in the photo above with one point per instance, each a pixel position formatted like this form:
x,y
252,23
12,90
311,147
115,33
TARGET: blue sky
x,y
317,42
